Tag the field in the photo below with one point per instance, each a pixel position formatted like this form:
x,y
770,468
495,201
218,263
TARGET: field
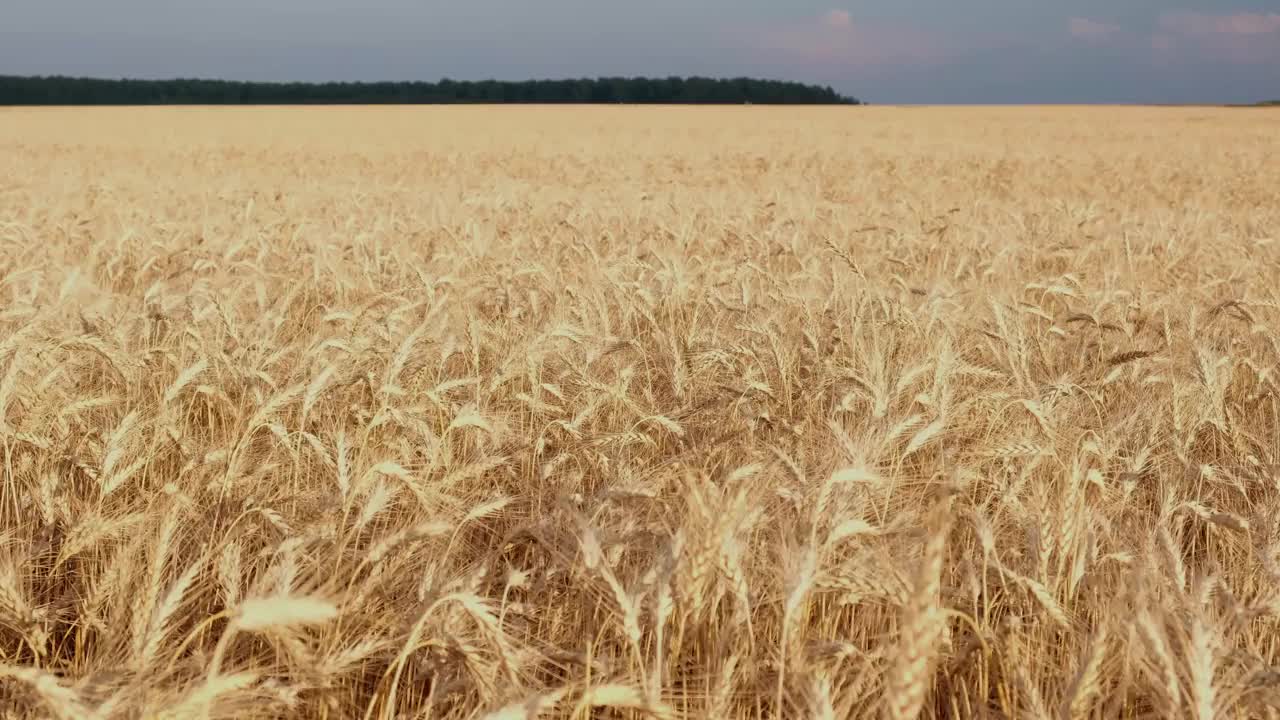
x,y
626,412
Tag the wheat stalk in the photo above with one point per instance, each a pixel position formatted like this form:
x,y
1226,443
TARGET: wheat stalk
x,y
921,625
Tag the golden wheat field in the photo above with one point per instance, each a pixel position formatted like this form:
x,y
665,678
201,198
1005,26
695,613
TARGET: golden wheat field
x,y
460,413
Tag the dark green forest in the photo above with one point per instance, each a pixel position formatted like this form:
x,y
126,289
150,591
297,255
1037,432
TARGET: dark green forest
x,y
59,90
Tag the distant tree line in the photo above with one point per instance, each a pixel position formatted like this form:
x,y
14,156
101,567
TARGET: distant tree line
x,y
60,90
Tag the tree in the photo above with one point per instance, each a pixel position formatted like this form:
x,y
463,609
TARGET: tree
x,y
58,90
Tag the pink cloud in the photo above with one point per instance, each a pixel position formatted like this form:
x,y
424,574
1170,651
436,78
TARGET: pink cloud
x,y
834,39
1244,38
1091,30
1240,24
838,19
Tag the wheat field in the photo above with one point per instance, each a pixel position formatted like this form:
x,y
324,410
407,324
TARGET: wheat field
x,y
625,412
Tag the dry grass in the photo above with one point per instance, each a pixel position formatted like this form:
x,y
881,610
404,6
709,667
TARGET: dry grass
x,y
621,412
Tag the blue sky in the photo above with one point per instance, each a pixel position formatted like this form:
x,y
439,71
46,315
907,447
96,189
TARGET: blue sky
x,y
884,51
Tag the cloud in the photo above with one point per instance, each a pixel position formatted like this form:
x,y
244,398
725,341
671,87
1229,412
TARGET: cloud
x,y
1241,38
1091,30
838,19
833,40
1184,36
1238,24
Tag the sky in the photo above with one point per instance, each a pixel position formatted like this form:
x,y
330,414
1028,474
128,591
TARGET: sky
x,y
881,51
